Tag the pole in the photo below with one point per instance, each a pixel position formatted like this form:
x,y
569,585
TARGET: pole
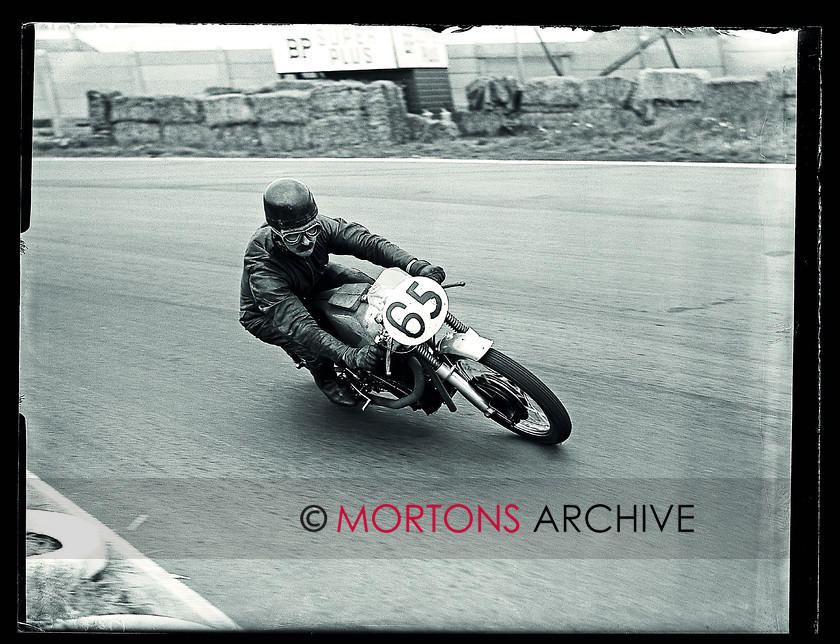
x,y
48,84
519,66
225,64
641,37
630,55
138,70
548,55
722,53
670,52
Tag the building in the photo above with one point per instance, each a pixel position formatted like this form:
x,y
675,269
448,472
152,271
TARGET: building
x,y
433,68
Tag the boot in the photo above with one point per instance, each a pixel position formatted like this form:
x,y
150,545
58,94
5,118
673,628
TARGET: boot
x,y
337,392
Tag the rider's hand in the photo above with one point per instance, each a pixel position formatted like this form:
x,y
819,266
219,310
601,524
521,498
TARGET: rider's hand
x,y
367,358
422,268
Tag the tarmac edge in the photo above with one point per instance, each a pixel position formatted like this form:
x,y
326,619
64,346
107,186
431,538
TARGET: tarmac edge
x,y
172,593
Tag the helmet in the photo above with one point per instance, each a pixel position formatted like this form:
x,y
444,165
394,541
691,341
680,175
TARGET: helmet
x,y
288,203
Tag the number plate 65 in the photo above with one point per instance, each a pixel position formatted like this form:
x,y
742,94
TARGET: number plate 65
x,y
415,310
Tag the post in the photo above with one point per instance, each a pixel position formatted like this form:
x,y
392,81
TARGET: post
x,y
51,93
722,52
642,37
138,70
629,56
548,55
670,52
225,63
519,66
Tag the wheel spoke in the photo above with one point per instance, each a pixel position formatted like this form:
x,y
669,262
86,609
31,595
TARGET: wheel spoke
x,y
535,420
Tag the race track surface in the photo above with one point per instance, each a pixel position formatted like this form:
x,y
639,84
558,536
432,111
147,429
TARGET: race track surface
x,y
655,300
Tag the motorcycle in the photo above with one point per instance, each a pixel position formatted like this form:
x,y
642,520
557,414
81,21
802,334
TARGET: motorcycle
x,y
426,366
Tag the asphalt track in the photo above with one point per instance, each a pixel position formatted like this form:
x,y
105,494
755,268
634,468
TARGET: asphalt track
x,y
655,300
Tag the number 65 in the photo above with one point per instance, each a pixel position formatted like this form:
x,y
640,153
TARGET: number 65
x,y
413,318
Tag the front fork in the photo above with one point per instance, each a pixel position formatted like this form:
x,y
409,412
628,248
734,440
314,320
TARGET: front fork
x,y
465,343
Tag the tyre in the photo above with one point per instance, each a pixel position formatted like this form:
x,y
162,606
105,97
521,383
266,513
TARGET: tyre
x,y
522,402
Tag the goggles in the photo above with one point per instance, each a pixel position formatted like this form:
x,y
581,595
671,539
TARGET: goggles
x,y
296,236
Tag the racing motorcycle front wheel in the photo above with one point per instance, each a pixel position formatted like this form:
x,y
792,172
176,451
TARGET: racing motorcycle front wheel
x,y
520,401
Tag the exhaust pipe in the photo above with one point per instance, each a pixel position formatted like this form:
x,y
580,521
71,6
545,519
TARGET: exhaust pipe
x,y
410,399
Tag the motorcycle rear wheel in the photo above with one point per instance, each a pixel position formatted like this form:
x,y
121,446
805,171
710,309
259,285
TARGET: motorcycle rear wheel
x,y
522,402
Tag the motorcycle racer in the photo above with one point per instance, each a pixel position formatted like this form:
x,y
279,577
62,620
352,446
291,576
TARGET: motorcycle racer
x,y
287,261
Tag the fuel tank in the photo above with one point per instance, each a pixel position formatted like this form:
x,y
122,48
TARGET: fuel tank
x,y
345,309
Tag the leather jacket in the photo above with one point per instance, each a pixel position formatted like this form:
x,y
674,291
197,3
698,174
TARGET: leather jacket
x,y
275,280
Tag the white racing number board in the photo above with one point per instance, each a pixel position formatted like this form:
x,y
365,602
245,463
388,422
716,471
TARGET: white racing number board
x,y
415,310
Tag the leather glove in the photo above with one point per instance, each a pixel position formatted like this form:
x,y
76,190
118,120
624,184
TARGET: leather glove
x,y
367,358
422,268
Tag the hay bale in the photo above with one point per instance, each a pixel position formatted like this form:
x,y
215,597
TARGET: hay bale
x,y
416,126
677,114
672,85
138,109
283,84
425,129
607,119
552,93
735,96
284,137
283,106
340,97
380,132
179,109
216,90
746,102
475,123
781,83
135,132
548,120
227,109
336,130
99,110
240,136
195,135
384,110
606,91
388,95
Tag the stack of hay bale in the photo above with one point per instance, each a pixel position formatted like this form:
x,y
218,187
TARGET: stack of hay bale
x,y
670,93
561,102
289,115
